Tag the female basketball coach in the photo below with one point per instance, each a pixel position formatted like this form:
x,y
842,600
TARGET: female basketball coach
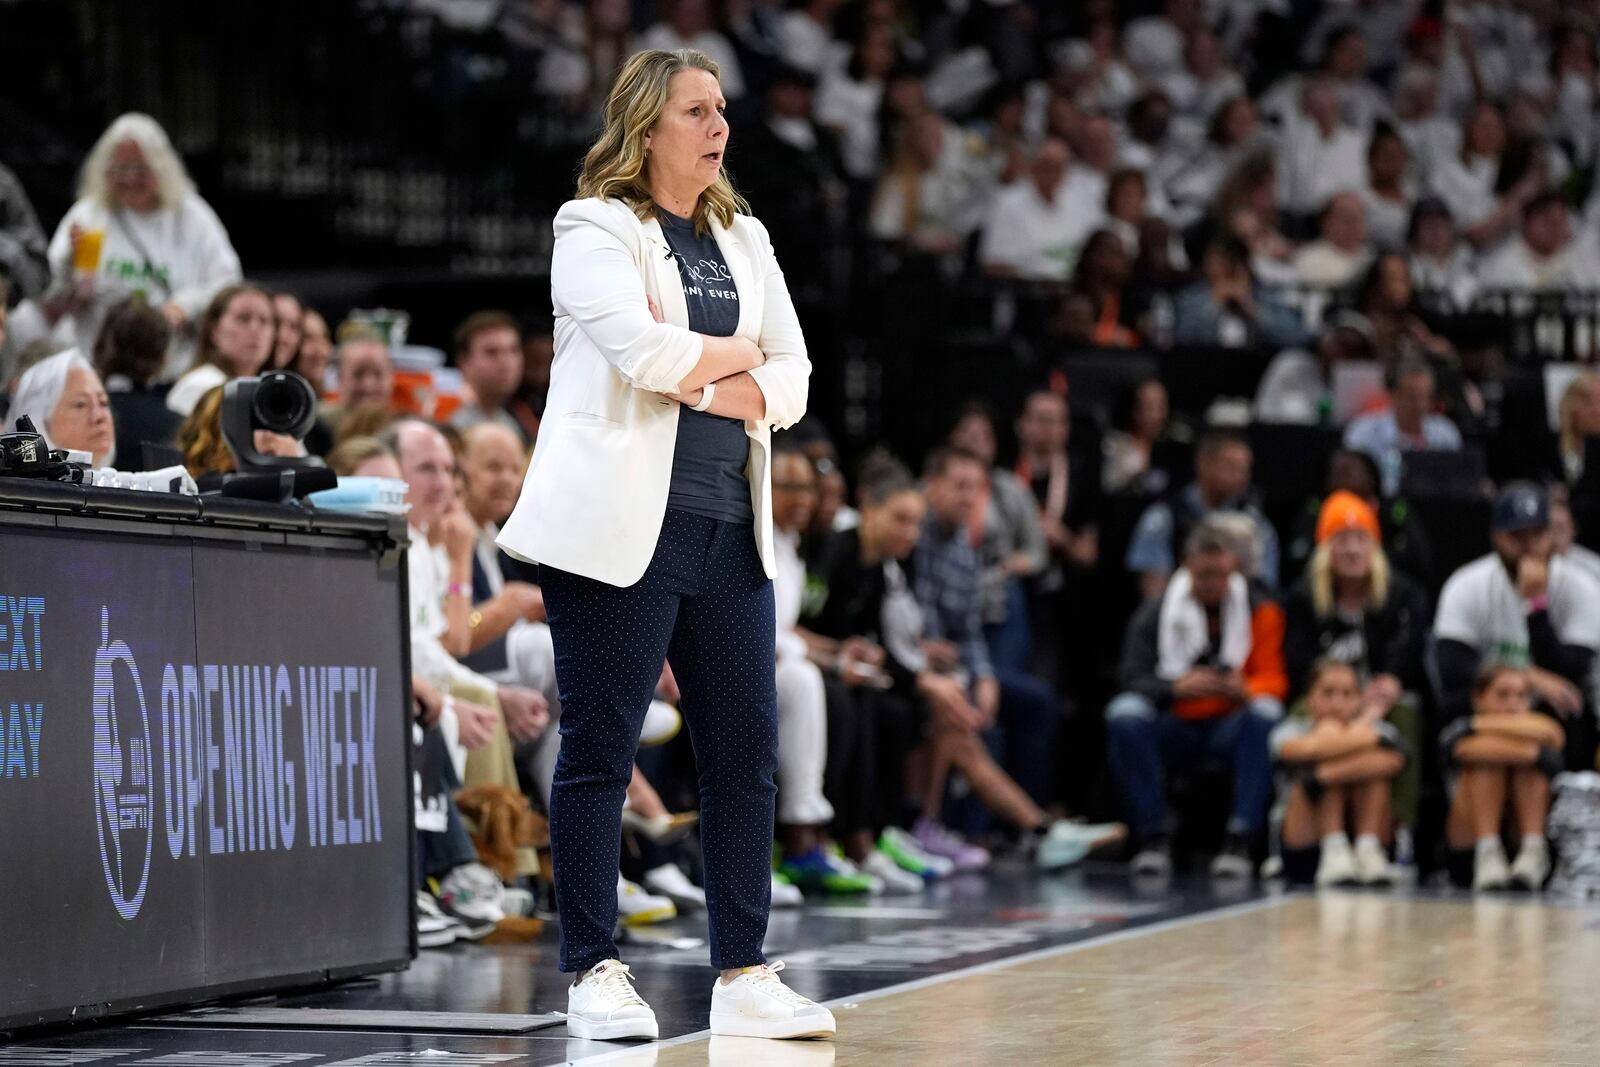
x,y
647,507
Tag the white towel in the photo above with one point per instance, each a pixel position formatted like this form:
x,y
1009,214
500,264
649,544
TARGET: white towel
x,y
1182,636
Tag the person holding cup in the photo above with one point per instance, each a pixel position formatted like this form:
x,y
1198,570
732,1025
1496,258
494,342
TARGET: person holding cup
x,y
138,226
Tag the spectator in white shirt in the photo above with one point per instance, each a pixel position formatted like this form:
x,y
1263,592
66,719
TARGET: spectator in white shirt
x,y
1469,183
687,24
1441,263
1154,43
1410,424
1344,67
1234,135
1540,257
1205,82
805,36
1035,229
1430,135
1388,194
848,101
927,197
1334,259
1320,153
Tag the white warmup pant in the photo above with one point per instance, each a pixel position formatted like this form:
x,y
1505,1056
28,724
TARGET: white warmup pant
x,y
802,744
531,663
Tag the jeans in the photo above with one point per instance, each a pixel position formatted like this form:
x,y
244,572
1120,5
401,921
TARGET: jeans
x,y
1144,742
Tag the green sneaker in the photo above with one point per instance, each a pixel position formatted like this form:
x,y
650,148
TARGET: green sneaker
x,y
819,872
901,847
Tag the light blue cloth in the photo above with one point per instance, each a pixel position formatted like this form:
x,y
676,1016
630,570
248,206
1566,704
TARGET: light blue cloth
x,y
1379,437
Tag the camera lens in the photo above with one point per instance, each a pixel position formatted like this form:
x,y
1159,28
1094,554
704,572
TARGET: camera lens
x,y
285,403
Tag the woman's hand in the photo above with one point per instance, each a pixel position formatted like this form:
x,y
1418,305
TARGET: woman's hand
x,y
277,444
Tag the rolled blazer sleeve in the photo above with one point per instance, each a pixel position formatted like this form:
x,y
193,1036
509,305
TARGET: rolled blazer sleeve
x,y
784,378
595,279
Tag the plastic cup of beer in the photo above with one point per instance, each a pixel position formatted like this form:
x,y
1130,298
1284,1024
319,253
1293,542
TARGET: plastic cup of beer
x,y
86,251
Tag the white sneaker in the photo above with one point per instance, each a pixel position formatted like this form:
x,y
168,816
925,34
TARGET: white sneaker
x,y
1489,868
1152,861
668,880
786,894
514,900
635,907
602,1006
888,873
1372,862
1066,842
472,893
1338,863
435,929
1533,864
758,1004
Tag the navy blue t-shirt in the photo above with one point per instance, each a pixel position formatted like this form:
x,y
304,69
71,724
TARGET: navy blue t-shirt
x,y
708,475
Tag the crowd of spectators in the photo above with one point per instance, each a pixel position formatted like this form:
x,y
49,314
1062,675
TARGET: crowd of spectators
x,y
1085,601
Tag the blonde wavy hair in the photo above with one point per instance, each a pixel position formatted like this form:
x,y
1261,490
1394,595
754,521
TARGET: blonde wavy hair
x,y
1578,390
616,167
172,180
1321,571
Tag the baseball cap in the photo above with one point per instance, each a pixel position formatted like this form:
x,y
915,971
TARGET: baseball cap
x,y
1521,506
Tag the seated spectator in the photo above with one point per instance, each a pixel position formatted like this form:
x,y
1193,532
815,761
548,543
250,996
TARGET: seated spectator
x,y
1483,204
366,379
1035,227
488,352
129,353
1011,545
1067,496
1501,758
1388,299
1202,676
1233,138
1564,538
967,695
1297,388
1137,426
1353,607
1522,605
687,24
206,454
872,710
156,236
1228,308
289,315
805,36
316,351
1319,153
234,341
63,397
1578,419
1341,56
1387,194
1222,464
1411,423
441,606
527,407
1341,252
804,813
925,198
1442,265
1154,43
1541,255
849,100
1342,760
1405,542
1102,277
1206,82
1127,199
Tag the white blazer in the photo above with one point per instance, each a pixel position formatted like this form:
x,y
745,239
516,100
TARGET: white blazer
x,y
596,491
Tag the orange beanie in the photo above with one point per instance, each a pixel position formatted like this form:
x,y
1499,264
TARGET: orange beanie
x,y
1346,511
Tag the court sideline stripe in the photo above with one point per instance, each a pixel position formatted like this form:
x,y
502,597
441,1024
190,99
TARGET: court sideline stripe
x,y
1115,937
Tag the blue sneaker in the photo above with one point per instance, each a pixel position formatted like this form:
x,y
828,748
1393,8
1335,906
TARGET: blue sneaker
x,y
818,872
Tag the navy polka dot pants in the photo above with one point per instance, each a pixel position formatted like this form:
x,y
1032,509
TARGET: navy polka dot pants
x,y
706,604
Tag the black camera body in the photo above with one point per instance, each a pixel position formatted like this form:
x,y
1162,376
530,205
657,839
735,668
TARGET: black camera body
x,y
279,402
26,454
